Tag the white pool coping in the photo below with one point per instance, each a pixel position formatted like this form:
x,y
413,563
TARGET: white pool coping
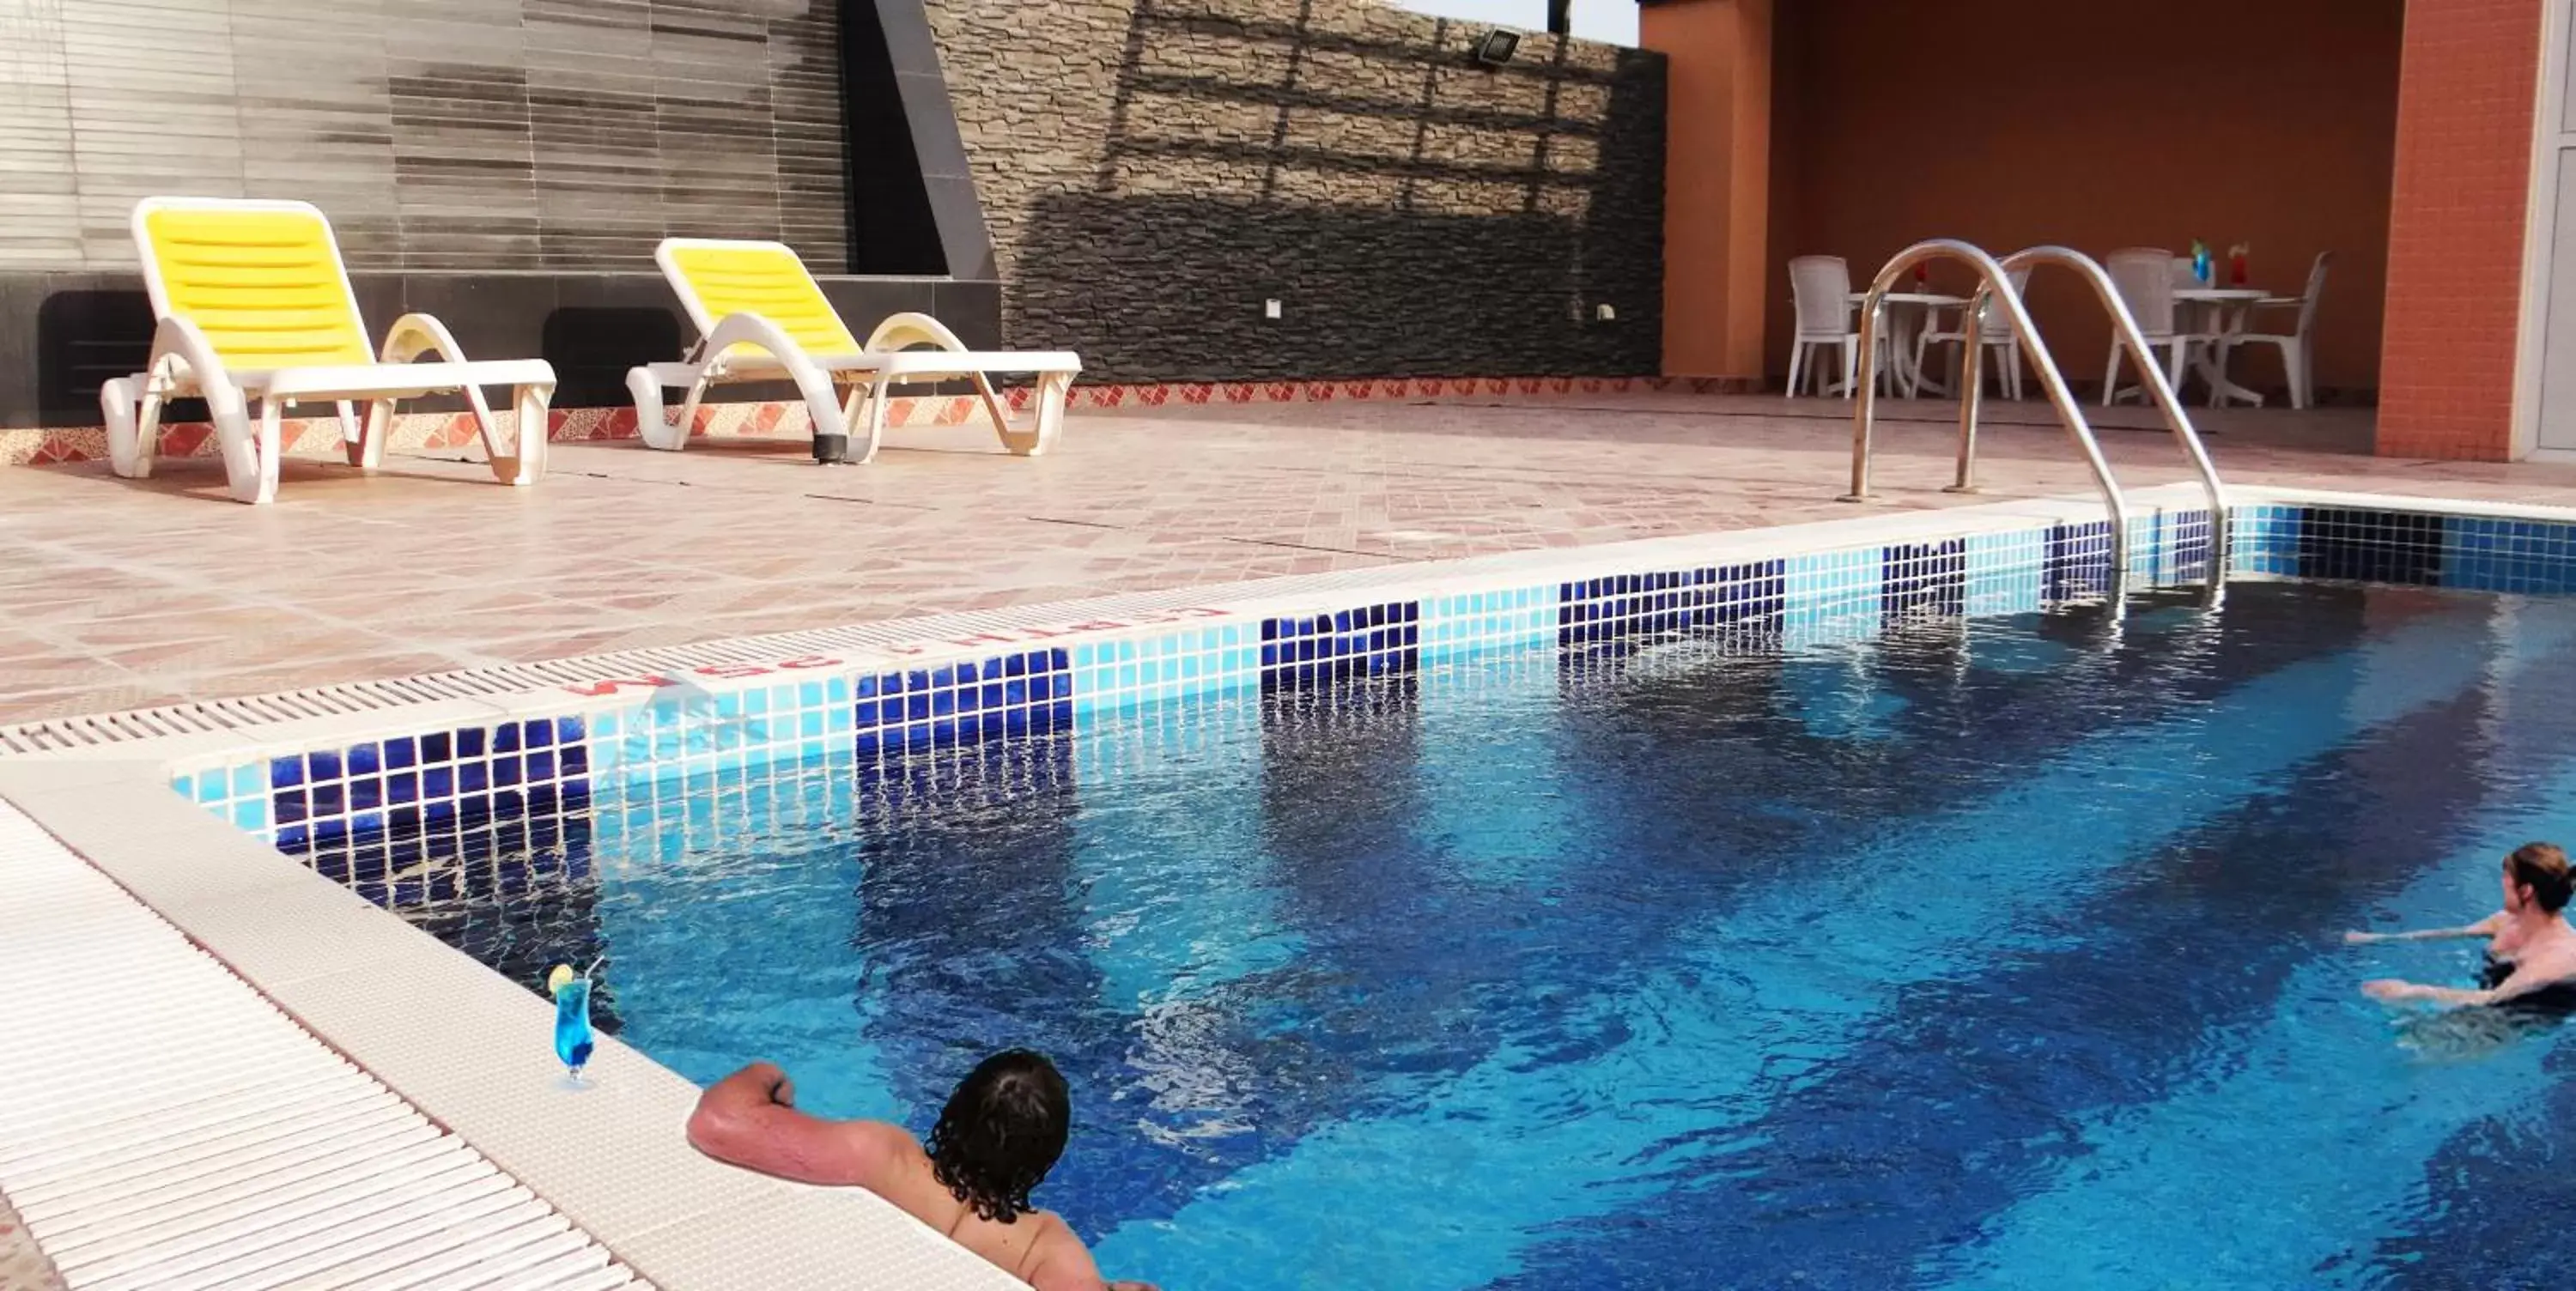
x,y
167,1126
468,1048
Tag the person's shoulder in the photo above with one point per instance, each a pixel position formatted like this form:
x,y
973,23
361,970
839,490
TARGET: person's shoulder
x,y
1055,1257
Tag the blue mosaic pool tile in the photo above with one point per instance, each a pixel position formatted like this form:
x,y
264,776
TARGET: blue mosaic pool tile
x,y
1923,580
1108,675
968,702
2501,555
2077,563
2006,571
1498,619
363,812
2183,546
2370,546
1833,595
1734,600
1310,652
2265,539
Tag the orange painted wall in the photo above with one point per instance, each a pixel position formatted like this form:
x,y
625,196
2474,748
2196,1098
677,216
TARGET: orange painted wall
x,y
2097,126
2464,141
1717,176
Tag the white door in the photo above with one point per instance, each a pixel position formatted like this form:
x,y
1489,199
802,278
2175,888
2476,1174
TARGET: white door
x,y
2547,391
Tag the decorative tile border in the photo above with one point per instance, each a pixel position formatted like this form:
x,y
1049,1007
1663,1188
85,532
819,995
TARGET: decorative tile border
x,y
433,814
318,438
436,814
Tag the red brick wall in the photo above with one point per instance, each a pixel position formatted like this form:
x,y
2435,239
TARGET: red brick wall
x,y
2466,93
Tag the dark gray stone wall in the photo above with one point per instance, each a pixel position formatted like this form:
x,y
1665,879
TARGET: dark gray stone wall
x,y
1153,171
466,135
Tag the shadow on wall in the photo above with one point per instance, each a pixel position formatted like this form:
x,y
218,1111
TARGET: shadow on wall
x,y
1414,214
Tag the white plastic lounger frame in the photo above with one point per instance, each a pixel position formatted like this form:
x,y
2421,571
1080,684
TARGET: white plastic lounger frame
x,y
254,306
761,317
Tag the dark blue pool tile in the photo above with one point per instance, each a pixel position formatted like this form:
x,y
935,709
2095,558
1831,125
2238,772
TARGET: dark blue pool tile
x,y
1734,600
2186,536
2370,546
960,703
1307,652
2077,565
1924,580
285,772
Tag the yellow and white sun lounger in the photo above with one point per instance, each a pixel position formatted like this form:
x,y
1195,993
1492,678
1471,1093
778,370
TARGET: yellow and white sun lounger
x,y
761,317
255,306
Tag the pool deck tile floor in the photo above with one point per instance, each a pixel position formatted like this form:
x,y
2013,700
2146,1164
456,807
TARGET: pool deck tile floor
x,y
119,594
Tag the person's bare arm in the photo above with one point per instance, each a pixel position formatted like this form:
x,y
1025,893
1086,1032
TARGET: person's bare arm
x,y
2522,982
750,1119
2487,927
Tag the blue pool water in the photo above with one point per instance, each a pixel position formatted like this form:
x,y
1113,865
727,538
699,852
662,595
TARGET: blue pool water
x,y
1994,954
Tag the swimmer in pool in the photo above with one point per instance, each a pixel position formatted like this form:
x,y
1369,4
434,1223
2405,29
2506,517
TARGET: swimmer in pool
x,y
1001,1132
2531,950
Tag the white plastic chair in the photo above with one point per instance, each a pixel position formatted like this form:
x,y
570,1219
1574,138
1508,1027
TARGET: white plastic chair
x,y
2146,280
1994,337
2298,347
1821,287
254,307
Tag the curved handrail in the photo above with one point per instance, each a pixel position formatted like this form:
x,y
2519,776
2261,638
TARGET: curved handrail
x,y
1995,284
2125,325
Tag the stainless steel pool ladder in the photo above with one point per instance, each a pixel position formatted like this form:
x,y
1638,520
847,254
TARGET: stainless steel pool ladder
x,y
1995,283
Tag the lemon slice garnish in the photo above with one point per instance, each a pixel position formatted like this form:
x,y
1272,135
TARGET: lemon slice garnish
x,y
560,978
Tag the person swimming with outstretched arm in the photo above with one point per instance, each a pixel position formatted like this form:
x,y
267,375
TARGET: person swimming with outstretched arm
x,y
1001,1132
2531,950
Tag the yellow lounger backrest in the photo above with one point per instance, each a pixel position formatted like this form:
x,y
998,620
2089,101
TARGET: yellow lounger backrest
x,y
263,280
716,278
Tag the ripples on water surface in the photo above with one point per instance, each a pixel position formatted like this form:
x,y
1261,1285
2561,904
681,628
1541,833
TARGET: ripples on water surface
x,y
1997,954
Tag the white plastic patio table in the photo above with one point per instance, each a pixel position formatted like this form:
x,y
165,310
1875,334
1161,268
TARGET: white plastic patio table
x,y
2229,308
1901,327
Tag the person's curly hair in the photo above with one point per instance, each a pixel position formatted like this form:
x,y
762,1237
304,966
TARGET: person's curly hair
x,y
1001,1132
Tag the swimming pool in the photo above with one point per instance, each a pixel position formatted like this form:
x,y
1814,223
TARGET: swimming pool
x,y
1801,906
1987,953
